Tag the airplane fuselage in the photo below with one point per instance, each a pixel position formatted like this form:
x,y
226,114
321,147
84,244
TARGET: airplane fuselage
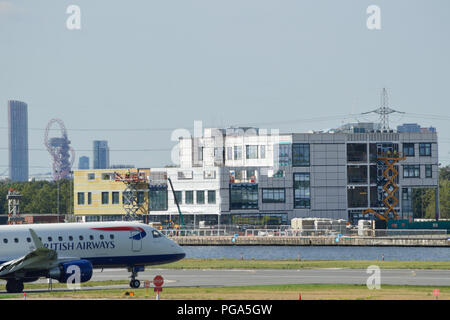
x,y
104,244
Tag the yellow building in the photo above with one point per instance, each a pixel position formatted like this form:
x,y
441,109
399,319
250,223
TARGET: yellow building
x,y
103,192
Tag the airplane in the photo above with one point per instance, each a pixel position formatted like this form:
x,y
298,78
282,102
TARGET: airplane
x,y
58,250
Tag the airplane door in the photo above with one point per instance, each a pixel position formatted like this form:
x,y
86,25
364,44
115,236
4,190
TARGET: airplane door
x,y
136,241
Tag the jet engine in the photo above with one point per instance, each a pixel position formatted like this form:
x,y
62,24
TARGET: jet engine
x,y
73,271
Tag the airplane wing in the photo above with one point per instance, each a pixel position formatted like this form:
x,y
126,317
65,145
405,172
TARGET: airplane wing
x,y
39,258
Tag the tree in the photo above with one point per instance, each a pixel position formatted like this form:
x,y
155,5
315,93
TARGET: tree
x,y
39,196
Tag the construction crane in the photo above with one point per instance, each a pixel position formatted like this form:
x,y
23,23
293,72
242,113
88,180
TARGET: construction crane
x,y
170,222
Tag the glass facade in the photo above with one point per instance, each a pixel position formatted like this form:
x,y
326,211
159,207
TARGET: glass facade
x,y
408,149
105,197
243,196
179,195
237,153
302,194
273,195
80,198
425,149
18,140
284,154
201,197
251,152
157,198
428,171
189,197
115,198
300,155
411,171
211,196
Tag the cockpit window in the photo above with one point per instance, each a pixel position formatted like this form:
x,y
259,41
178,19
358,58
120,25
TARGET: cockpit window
x,y
156,234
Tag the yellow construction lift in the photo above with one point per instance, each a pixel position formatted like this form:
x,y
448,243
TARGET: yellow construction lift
x,y
390,187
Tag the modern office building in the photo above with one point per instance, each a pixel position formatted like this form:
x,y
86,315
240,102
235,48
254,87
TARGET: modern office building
x,y
100,154
251,176
18,140
83,163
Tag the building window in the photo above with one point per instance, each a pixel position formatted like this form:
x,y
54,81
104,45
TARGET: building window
x,y
184,175
357,197
284,154
408,149
157,198
189,197
244,196
273,195
428,171
115,198
237,153
357,174
262,152
141,197
209,174
425,149
211,196
178,195
80,198
229,153
251,175
108,176
127,197
300,154
302,195
201,197
91,176
251,152
89,200
356,152
105,197
411,171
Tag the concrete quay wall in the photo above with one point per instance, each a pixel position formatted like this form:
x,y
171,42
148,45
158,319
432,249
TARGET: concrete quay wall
x,y
309,241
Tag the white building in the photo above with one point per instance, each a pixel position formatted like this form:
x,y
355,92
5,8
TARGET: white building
x,y
251,176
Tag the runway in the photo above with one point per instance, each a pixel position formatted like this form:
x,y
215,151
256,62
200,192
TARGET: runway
x,y
233,277
194,278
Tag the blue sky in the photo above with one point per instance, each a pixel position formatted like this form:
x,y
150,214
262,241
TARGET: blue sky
x,y
288,65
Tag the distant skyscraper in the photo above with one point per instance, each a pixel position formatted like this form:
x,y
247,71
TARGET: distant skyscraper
x,y
18,140
83,163
101,155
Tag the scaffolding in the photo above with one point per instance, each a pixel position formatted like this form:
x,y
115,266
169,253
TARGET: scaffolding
x,y
387,173
13,198
134,181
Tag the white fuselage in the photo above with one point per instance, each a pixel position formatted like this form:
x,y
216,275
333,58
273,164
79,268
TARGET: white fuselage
x,y
104,244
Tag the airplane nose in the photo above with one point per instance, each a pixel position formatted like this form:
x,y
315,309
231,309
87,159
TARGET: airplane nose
x,y
178,250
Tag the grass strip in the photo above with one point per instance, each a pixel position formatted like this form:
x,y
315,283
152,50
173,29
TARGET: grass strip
x,y
304,264
262,292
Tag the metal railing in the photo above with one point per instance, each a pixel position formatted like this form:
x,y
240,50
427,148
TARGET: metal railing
x,y
337,232
194,232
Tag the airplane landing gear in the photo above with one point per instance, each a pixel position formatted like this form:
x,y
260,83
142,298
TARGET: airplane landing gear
x,y
135,283
14,286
